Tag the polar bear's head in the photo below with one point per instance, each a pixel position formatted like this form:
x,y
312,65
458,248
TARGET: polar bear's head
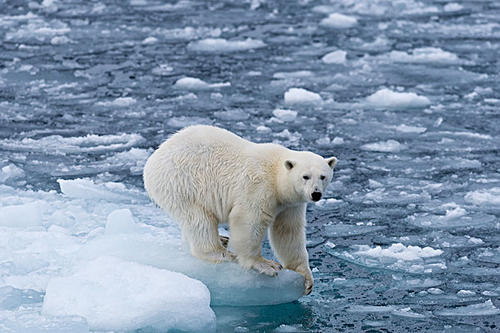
x,y
309,174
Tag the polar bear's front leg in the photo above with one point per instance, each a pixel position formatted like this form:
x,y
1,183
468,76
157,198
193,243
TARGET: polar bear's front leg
x,y
288,239
247,231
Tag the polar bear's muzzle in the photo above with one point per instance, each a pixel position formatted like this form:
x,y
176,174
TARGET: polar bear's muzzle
x,y
315,196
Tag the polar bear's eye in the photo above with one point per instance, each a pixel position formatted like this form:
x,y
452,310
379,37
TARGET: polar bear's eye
x,y
322,177
306,177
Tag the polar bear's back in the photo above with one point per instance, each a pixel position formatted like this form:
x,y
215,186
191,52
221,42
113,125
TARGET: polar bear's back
x,y
206,166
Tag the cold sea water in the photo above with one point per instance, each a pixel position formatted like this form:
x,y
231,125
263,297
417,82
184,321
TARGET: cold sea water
x,y
405,93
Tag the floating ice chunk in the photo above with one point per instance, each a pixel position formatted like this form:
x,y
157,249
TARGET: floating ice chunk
x,y
56,144
21,216
60,40
346,230
150,41
389,146
482,309
9,172
112,294
220,45
389,99
120,101
338,21
452,7
435,291
399,251
486,197
302,96
425,55
466,293
370,308
338,141
292,75
397,257
192,83
263,129
454,217
87,189
410,129
335,57
285,115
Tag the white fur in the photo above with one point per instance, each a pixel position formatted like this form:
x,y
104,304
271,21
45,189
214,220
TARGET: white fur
x,y
204,175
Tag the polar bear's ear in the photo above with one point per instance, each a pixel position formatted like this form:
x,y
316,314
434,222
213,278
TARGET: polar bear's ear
x,y
331,161
289,164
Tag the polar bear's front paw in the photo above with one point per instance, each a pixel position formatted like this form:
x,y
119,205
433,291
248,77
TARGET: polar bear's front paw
x,y
268,267
224,241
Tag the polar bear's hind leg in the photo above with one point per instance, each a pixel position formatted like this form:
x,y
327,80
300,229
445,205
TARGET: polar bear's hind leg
x,y
201,232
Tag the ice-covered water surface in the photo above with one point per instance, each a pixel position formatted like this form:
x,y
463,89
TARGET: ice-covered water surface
x,y
404,93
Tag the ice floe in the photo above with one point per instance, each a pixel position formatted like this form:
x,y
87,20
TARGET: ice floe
x,y
335,57
116,295
301,96
425,55
338,21
397,257
481,309
389,146
389,99
220,45
192,83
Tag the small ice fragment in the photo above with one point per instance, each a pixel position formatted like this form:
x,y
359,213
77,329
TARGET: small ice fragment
x,y
338,21
425,55
486,197
410,129
389,99
371,308
466,293
263,129
192,83
150,41
389,146
335,57
301,96
330,245
399,251
220,45
285,115
59,40
116,295
120,101
338,141
435,291
452,7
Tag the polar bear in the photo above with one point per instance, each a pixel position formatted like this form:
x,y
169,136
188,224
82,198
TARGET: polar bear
x,y
203,176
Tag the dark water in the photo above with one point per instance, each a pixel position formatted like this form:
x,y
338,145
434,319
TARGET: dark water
x,y
428,173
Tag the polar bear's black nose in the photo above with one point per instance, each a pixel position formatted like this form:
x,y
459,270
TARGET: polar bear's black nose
x,y
316,196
